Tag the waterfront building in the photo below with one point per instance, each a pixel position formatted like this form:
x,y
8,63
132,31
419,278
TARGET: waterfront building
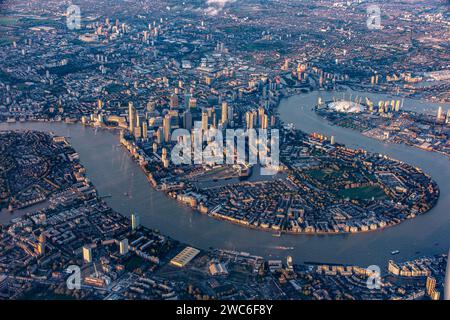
x,y
393,268
430,285
397,106
380,106
100,118
135,221
159,135
184,257
290,263
435,295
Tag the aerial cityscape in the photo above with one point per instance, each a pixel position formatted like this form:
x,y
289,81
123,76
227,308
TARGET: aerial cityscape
x,y
224,150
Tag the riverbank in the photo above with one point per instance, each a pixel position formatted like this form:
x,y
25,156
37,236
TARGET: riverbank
x,y
172,195
133,151
352,226
113,172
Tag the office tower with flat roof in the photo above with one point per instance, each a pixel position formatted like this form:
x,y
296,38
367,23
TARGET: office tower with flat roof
x,y
144,129
204,120
290,263
187,120
213,117
159,135
380,106
224,112
135,221
397,106
261,113
249,119
131,118
439,114
166,127
430,285
138,120
265,122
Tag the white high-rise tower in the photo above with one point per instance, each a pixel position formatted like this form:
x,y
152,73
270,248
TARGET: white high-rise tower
x,y
131,117
224,112
439,113
135,221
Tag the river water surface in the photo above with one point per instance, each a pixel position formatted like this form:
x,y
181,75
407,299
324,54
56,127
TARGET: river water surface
x,y
115,174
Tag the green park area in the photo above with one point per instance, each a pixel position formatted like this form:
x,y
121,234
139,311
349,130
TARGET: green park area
x,y
8,21
363,193
322,175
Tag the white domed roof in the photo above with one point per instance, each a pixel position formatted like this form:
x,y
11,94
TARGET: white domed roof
x,y
346,106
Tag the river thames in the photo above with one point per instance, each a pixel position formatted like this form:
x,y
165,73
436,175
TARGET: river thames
x,y
115,174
